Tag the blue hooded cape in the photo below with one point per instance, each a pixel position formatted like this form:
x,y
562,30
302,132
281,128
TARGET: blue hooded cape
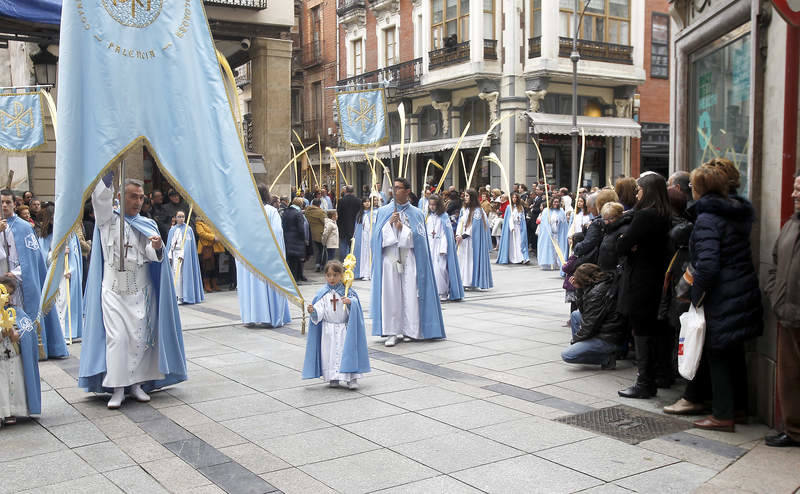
x,y
34,272
76,282
453,271
171,354
192,286
357,234
29,351
431,324
260,303
502,249
481,245
546,252
355,357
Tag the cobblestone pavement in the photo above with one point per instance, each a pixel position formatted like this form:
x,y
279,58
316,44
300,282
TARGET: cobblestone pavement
x,y
478,412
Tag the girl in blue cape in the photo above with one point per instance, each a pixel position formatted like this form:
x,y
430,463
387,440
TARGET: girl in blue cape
x,y
442,245
185,263
363,234
20,388
473,241
513,247
336,348
553,229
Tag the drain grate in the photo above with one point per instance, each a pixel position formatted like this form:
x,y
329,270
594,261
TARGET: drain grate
x,y
627,423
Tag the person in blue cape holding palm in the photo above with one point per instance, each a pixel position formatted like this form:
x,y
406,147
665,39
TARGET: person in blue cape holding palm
x,y
513,247
473,240
552,244
336,347
442,245
182,254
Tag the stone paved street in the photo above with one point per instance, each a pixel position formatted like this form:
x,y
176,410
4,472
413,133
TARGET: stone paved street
x,y
474,413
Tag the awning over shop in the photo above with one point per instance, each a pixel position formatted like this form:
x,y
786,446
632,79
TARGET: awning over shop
x,y
414,148
549,123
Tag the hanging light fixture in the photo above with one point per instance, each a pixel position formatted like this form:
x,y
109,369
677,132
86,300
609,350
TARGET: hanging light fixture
x,y
45,66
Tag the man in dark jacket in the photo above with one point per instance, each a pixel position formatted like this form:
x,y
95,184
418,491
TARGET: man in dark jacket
x,y
348,208
294,236
599,332
783,289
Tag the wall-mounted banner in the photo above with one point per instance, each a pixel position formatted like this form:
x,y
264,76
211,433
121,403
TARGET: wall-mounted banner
x,y
21,122
362,118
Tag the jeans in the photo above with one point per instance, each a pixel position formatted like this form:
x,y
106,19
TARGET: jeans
x,y
331,254
592,351
344,247
319,250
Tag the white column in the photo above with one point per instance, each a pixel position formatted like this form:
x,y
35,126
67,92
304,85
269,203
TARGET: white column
x,y
550,26
475,30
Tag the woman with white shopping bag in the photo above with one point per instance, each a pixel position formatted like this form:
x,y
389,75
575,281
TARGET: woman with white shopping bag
x,y
724,286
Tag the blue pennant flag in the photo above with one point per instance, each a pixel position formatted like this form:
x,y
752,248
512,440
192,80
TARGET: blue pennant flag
x,y
362,118
21,124
147,72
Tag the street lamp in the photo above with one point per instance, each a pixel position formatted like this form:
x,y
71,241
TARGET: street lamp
x,y
45,66
575,57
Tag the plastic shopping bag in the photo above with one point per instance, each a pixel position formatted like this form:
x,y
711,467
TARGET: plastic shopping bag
x,y
690,342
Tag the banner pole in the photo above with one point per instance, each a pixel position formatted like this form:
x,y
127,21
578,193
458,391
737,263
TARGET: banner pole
x,y
122,216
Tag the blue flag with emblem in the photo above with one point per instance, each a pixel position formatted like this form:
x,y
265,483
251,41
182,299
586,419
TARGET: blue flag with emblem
x,y
21,124
146,72
362,118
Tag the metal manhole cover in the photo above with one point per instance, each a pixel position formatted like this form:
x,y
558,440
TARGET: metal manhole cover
x,y
627,423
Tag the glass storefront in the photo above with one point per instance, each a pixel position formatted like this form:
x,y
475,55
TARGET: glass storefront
x,y
720,102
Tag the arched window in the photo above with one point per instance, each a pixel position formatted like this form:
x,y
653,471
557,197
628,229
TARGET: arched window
x,y
430,124
476,111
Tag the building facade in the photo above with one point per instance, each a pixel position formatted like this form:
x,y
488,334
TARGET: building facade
x,y
456,62
734,94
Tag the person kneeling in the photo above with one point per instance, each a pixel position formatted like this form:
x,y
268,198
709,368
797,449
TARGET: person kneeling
x,y
336,348
598,330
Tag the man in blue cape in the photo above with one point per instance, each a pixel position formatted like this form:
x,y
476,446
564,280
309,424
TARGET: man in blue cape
x,y
70,319
132,337
19,365
405,302
20,257
182,253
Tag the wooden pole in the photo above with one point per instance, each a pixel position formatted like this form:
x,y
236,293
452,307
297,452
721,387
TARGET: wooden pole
x,y
122,216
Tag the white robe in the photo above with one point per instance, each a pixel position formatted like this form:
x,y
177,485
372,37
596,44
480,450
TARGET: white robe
x,y
399,300
464,249
126,299
334,331
437,241
365,256
13,400
516,218
175,252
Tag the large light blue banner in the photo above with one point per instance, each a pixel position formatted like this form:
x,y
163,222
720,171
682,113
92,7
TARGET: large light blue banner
x,y
146,72
21,124
362,118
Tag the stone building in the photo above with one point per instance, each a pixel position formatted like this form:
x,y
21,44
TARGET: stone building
x,y
254,31
734,94
458,62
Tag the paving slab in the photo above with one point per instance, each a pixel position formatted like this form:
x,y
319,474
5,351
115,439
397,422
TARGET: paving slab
x,y
184,415
671,479
164,430
78,434
142,448
25,439
197,452
348,411
605,458
93,484
315,446
275,424
217,435
134,480
316,393
399,429
441,485
386,383
458,451
472,414
421,398
242,406
525,475
763,469
59,412
232,477
533,434
104,457
42,470
254,458
140,412
175,474
503,362
296,481
117,426
367,472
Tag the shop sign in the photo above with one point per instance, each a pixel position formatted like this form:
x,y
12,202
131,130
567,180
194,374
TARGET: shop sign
x,y
789,10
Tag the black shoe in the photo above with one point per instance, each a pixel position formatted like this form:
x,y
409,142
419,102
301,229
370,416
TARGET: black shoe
x,y
637,391
781,440
303,279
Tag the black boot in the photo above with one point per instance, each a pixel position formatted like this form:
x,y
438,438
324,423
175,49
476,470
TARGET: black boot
x,y
645,386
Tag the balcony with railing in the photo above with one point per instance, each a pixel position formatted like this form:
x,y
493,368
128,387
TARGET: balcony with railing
x,y
313,128
351,11
405,75
490,49
597,50
535,47
313,53
449,55
244,4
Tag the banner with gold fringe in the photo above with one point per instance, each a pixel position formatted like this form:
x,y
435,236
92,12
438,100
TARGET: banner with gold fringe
x,y
21,122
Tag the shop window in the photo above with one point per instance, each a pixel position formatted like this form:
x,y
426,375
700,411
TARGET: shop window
x,y
607,21
719,108
430,124
659,47
476,111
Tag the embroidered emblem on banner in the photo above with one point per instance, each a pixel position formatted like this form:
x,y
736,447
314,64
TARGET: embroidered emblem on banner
x,y
22,117
365,114
30,242
133,13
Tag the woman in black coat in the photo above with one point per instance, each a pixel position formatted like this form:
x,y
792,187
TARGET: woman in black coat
x,y
294,237
726,286
644,247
